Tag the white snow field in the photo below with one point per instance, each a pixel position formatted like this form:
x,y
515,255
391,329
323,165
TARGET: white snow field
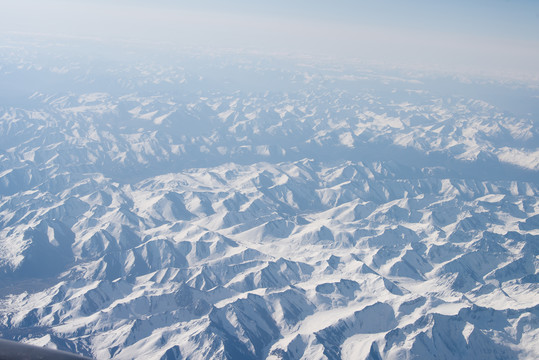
x,y
245,207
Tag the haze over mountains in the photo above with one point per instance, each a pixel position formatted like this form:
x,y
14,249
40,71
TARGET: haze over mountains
x,y
239,206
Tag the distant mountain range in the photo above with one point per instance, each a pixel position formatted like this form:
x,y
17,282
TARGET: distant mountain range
x,y
247,208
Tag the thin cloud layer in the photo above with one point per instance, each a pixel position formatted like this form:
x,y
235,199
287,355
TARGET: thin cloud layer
x,y
495,37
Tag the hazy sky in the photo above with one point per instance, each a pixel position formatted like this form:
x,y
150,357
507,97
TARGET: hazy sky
x,y
494,35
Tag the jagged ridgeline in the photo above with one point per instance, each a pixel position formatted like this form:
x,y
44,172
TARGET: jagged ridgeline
x,y
242,207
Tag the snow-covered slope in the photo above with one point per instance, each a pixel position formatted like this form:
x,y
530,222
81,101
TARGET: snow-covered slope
x,y
163,212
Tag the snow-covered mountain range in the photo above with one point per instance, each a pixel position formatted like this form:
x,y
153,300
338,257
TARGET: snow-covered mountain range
x,y
242,207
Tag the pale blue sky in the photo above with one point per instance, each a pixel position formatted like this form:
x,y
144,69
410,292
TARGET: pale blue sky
x,y
491,17
495,35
